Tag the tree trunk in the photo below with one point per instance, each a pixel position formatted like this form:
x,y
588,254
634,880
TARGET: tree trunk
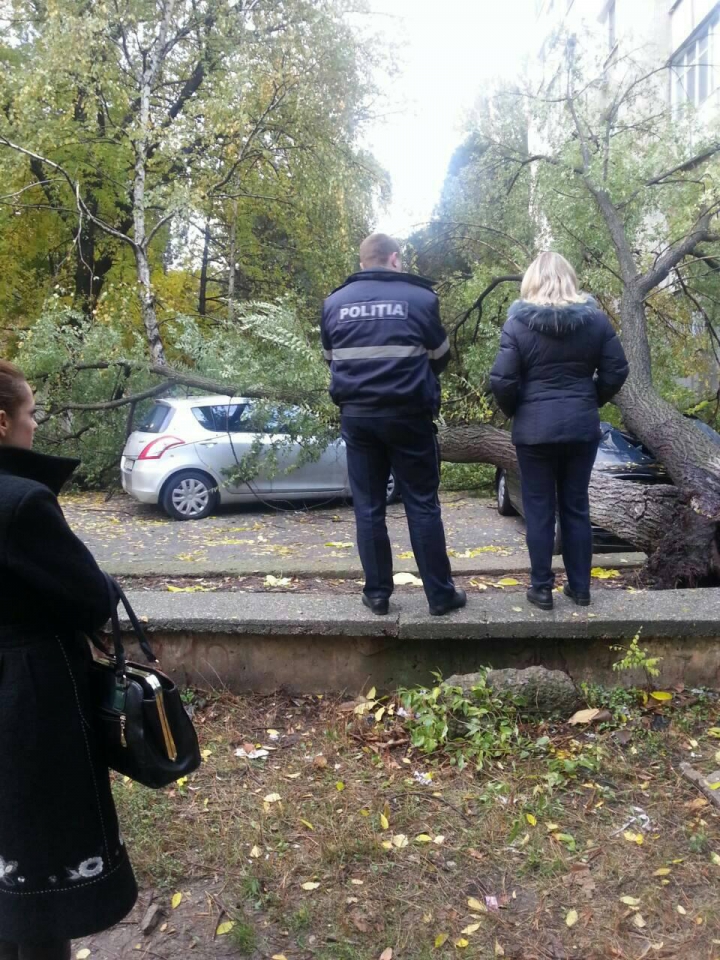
x,y
142,263
232,262
202,294
141,237
687,552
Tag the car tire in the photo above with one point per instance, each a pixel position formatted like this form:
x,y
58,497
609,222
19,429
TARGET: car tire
x,y
557,542
504,505
393,492
189,495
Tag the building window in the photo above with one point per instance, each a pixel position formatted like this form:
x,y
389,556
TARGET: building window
x,y
693,69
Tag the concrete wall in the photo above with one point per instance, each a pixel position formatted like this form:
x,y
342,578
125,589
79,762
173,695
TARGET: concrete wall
x,y
314,643
307,664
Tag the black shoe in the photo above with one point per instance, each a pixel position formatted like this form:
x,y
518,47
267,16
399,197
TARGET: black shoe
x,y
540,597
581,599
379,605
456,603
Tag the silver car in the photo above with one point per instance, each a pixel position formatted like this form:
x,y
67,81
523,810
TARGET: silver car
x,y
181,454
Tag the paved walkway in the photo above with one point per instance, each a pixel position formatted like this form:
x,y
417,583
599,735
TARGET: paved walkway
x,y
132,539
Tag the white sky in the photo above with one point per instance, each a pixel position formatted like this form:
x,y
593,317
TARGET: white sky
x,y
447,49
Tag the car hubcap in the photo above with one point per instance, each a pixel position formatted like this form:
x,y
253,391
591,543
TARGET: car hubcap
x,y
501,490
190,497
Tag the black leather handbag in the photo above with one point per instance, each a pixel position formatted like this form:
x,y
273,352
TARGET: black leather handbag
x,y
141,721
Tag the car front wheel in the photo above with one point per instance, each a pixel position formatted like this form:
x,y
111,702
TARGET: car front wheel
x,y
393,493
504,504
189,495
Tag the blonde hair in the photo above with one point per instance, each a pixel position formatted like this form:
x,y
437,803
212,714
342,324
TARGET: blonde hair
x,y
550,280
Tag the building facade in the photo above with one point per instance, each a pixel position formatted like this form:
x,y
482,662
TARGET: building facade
x,y
682,33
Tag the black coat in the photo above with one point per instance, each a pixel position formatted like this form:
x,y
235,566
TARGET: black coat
x,y
382,336
64,870
555,368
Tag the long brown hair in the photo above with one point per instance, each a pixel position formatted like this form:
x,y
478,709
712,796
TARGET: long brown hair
x,y
11,387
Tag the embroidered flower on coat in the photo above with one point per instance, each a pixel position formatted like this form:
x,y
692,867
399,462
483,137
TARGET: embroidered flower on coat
x,y
7,869
88,868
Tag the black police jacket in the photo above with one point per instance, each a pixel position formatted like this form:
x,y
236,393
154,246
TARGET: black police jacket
x,y
382,336
556,366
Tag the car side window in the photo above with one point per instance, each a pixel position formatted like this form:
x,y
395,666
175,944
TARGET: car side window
x,y
205,417
221,418
236,417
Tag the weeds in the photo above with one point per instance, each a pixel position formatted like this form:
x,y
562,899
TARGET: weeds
x,y
244,937
636,658
477,729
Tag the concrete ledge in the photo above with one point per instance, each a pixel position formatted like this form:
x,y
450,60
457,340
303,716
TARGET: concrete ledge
x,y
342,569
329,643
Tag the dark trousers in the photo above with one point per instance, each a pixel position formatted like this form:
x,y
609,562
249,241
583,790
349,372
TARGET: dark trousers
x,y
409,447
555,476
57,950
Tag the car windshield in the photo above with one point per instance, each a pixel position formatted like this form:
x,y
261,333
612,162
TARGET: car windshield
x,y
221,418
157,418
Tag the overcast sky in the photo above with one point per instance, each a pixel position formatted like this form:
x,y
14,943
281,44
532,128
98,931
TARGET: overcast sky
x,y
448,49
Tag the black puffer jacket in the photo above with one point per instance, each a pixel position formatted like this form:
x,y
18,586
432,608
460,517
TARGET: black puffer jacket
x,y
556,366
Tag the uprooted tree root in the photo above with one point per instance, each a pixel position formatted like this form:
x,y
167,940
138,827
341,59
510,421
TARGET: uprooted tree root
x,y
687,556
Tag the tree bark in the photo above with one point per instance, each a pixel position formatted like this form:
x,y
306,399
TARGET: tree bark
x,y
202,294
142,263
232,257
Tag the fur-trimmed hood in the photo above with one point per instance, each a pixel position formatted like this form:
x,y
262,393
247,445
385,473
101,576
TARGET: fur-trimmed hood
x,y
555,320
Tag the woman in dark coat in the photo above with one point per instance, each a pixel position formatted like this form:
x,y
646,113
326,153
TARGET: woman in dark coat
x,y
559,361
64,871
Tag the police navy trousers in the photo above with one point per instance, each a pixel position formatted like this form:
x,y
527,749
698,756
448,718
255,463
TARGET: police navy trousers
x,y
555,477
408,446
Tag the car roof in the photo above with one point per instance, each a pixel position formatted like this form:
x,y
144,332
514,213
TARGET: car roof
x,y
206,401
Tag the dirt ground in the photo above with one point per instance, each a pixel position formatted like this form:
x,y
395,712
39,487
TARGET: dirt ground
x,y
342,841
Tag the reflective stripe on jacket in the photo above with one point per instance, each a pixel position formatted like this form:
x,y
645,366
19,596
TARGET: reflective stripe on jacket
x,y
382,336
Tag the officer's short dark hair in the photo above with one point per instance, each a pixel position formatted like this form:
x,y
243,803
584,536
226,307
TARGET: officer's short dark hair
x,y
376,250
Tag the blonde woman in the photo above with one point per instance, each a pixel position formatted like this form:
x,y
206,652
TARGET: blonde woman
x,y
559,361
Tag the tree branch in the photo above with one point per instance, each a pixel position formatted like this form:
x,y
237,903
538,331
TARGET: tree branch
x,y
675,253
107,404
692,164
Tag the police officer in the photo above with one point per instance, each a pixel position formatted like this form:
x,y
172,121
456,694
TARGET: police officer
x,y
382,336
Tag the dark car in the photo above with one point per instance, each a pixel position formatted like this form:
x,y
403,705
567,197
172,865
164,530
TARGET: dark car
x,y
619,455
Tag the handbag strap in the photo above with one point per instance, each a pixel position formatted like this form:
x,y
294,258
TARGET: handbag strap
x,y
117,596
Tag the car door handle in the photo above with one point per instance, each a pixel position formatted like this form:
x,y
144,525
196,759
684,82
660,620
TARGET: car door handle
x,y
208,443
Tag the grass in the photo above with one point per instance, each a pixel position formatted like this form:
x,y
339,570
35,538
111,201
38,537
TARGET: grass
x,y
403,865
244,937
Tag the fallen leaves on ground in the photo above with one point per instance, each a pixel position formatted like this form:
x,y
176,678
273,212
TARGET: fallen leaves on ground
x,y
406,580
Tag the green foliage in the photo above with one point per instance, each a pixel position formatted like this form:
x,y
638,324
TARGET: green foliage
x,y
49,353
469,730
622,702
478,477
254,174
243,935
266,348
634,657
